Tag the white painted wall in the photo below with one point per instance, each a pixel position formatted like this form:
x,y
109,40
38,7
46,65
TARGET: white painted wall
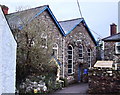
x,y
7,57
119,16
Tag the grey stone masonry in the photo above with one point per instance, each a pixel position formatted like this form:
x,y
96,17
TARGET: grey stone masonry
x,y
109,52
46,24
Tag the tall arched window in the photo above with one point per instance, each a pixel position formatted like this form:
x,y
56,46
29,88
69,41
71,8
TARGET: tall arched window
x,y
80,51
70,59
55,50
89,57
44,40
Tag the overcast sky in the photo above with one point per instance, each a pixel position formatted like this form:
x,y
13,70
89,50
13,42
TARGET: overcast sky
x,y
98,14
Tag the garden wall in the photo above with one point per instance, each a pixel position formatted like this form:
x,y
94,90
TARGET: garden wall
x,y
102,81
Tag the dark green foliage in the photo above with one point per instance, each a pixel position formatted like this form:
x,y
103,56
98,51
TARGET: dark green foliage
x,y
32,57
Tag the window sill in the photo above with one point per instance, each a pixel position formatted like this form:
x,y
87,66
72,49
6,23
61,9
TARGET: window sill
x,y
117,53
70,74
80,57
44,47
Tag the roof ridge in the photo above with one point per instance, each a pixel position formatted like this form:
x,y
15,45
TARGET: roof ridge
x,y
111,36
71,19
28,9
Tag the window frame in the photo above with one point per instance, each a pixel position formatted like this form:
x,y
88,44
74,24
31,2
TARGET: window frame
x,y
55,48
89,57
44,37
70,59
80,53
116,49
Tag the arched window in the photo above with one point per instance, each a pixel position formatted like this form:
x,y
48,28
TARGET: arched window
x,y
44,40
55,50
89,57
70,59
80,51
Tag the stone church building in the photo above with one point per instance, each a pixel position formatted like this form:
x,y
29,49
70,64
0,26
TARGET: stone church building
x,y
79,49
70,41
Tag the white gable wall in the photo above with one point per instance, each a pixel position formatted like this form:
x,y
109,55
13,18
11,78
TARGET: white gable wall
x,y
7,57
0,60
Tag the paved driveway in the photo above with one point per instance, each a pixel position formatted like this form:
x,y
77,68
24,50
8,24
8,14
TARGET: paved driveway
x,y
80,88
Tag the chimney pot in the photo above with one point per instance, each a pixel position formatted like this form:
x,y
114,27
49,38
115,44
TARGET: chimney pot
x,y
113,29
4,9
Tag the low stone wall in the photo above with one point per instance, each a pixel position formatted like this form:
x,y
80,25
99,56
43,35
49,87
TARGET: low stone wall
x,y
102,81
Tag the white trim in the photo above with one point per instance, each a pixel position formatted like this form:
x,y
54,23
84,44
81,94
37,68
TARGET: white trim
x,y
55,48
72,58
63,57
44,36
116,66
81,50
116,49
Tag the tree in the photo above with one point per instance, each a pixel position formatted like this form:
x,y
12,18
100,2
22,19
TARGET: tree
x,y
99,49
34,49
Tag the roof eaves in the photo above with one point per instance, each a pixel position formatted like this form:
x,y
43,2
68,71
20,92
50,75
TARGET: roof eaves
x,y
38,14
90,33
57,23
105,39
49,10
87,29
22,26
113,40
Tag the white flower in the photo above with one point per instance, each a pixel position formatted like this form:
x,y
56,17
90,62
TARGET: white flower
x,y
40,85
38,88
35,83
44,88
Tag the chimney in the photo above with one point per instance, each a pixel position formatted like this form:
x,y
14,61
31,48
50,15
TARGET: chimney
x,y
4,9
113,29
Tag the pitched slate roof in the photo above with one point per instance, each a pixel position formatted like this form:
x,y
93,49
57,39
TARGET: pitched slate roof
x,y
69,25
19,19
115,37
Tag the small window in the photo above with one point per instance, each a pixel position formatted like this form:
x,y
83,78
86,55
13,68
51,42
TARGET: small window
x,y
70,59
80,51
44,40
117,48
55,50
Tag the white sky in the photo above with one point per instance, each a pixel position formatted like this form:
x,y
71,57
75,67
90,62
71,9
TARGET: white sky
x,y
98,14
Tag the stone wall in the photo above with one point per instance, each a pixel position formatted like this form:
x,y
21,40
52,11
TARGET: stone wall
x,y
42,24
109,52
54,35
102,81
45,25
79,33
79,36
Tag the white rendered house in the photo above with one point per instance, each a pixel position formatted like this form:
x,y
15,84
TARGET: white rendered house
x,y
8,47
